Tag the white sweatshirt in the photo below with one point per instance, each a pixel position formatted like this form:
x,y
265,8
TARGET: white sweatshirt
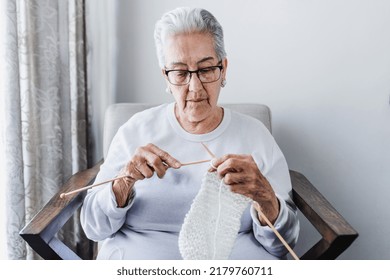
x,y
149,226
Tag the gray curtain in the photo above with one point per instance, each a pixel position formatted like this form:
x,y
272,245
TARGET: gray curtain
x,y
46,116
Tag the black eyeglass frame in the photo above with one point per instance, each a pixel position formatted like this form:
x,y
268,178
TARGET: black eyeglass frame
x,y
166,72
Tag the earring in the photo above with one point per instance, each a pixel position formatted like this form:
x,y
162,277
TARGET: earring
x,y
223,83
168,90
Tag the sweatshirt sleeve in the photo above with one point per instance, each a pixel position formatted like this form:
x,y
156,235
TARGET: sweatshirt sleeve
x,y
100,217
287,223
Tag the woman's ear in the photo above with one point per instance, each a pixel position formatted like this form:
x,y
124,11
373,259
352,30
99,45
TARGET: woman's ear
x,y
225,65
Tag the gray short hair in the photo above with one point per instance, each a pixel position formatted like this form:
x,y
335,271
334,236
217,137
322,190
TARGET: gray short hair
x,y
188,20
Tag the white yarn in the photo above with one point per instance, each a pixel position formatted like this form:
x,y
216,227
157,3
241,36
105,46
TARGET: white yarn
x,y
218,219
211,225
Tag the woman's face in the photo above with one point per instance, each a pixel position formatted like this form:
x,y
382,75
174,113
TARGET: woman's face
x,y
195,102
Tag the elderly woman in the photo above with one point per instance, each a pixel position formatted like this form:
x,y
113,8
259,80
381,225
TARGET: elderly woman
x,y
141,216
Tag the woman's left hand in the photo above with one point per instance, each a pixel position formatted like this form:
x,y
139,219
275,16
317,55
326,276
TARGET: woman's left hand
x,y
241,173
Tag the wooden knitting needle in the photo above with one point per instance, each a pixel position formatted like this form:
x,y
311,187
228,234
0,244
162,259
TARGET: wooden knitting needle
x,y
195,162
261,214
63,195
208,151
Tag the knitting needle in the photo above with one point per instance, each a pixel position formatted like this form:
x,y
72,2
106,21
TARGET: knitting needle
x,y
91,186
63,195
195,162
208,151
257,207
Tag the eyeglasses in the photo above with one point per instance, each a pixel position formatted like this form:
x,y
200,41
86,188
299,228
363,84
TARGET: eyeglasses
x,y
205,75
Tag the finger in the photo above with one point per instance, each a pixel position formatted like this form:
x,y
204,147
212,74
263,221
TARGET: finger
x,y
235,178
231,165
167,158
133,172
142,166
218,161
156,164
212,166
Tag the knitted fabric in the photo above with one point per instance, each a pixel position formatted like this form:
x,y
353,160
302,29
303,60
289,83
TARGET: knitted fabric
x,y
210,227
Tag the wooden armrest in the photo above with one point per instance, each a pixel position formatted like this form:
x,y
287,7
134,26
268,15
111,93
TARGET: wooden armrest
x,y
337,234
40,232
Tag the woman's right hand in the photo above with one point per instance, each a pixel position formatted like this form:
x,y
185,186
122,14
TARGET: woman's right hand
x,y
146,161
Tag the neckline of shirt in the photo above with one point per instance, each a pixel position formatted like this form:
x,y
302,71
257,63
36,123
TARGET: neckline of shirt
x,y
197,137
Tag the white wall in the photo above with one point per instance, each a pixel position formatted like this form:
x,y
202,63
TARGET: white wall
x,y
324,69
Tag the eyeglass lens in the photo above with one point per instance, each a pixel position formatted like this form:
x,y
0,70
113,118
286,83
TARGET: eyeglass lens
x,y
205,75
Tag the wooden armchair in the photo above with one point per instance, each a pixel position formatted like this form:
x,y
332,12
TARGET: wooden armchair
x,y
336,234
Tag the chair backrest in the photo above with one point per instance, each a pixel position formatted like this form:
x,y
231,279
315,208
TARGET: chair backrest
x,y
118,114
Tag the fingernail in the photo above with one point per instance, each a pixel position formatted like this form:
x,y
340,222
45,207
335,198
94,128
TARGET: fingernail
x,y
212,163
177,164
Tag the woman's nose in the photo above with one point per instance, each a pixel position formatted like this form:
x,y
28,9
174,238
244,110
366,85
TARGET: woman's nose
x,y
195,83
